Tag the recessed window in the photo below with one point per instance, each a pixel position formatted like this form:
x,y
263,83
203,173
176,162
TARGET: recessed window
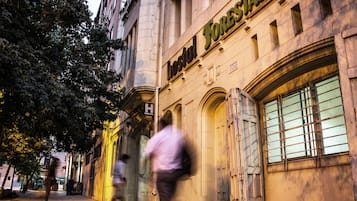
x,y
128,55
187,15
307,123
177,17
274,34
255,47
123,57
296,17
326,8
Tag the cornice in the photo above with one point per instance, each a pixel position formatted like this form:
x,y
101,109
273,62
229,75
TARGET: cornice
x,y
136,96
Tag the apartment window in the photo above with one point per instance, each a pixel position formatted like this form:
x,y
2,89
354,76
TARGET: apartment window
x,y
128,52
133,47
255,47
187,14
128,55
306,123
296,17
274,34
123,57
177,17
326,8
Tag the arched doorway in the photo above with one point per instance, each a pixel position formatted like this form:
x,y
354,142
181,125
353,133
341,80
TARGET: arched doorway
x,y
215,171
178,116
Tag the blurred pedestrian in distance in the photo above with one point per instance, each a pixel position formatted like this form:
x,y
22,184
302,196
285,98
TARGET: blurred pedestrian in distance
x,y
70,186
51,176
119,180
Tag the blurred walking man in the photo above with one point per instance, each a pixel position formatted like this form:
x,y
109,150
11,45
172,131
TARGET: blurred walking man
x,y
164,148
119,180
51,176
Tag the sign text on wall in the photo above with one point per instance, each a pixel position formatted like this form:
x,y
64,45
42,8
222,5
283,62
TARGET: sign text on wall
x,y
183,60
213,31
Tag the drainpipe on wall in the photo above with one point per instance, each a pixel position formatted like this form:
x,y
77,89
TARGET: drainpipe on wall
x,y
158,82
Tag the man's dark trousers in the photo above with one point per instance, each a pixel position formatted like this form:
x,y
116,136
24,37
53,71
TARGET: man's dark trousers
x,y
166,182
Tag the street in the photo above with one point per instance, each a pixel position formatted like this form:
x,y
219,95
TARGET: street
x,y
40,195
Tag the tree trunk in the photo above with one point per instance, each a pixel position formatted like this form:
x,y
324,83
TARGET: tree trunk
x,y
28,179
3,183
12,180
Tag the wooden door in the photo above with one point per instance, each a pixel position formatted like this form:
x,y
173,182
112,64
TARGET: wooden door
x,y
221,154
244,147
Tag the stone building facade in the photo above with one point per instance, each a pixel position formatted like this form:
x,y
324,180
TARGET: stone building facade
x,y
266,89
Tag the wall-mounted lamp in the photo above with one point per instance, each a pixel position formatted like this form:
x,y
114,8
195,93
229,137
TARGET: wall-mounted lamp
x,y
220,46
281,1
200,62
247,27
183,75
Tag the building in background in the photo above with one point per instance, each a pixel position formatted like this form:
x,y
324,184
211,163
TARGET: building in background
x,y
74,164
266,89
137,23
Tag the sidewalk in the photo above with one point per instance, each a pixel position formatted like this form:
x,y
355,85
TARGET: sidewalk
x,y
40,196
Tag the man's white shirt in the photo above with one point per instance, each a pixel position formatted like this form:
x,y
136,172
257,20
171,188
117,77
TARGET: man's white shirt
x,y
164,148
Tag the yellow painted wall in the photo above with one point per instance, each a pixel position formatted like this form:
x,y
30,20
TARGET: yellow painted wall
x,y
103,186
328,184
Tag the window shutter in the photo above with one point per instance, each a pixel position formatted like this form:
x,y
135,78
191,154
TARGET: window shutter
x,y
346,47
244,146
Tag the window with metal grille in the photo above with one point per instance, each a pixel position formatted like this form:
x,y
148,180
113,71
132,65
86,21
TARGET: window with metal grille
x,y
307,123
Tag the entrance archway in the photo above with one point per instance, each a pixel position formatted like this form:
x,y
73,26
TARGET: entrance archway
x,y
215,175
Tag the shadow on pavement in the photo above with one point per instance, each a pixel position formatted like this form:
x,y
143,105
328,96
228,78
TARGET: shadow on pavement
x,y
40,195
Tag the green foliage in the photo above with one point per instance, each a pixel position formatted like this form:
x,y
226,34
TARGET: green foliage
x,y
23,152
53,79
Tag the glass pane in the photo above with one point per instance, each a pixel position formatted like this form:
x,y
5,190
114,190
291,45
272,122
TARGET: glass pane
x,y
249,106
333,127
293,115
246,142
295,143
250,144
272,129
254,143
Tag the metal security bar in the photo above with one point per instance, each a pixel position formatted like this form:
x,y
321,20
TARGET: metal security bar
x,y
307,123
